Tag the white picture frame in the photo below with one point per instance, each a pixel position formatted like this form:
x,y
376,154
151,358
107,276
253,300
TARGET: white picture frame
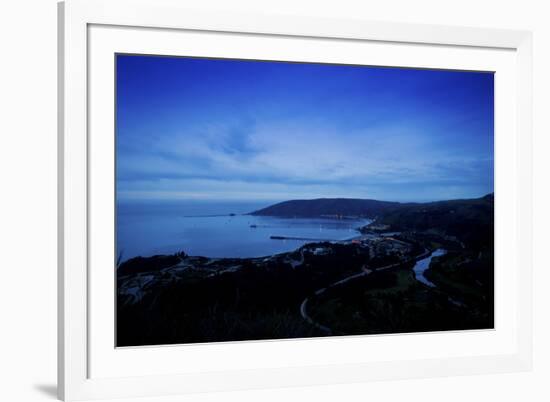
x,y
88,368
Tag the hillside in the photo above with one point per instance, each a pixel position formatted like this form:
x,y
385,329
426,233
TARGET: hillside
x,y
470,219
363,285
329,206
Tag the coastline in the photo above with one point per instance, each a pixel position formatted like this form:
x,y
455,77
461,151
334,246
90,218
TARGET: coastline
x,y
364,284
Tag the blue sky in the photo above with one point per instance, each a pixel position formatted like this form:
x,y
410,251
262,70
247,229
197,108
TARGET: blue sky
x,y
210,129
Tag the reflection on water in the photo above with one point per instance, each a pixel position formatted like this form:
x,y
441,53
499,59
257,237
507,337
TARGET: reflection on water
x,y
217,229
423,264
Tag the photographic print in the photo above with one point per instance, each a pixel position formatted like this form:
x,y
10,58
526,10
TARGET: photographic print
x,y
264,200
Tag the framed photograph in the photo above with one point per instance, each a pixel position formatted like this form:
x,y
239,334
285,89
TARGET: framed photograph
x,y
252,201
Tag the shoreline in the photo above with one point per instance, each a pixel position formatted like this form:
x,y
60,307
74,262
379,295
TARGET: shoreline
x,y
242,238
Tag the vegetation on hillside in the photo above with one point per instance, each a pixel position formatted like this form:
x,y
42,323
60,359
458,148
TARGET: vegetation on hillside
x,y
185,299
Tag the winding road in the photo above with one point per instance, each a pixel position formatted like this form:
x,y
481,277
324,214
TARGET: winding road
x,y
364,272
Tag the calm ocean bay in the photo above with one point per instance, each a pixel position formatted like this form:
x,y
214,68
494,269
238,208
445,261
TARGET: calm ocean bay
x,y
206,228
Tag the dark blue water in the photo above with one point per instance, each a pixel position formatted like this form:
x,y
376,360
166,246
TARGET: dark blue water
x,y
147,228
423,264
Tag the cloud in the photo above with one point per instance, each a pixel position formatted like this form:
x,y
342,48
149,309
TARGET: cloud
x,y
296,159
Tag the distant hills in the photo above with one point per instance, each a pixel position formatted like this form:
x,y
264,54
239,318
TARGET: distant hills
x,y
469,219
328,206
441,213
472,220
364,208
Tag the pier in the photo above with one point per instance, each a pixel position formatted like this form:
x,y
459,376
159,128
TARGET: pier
x,y
299,238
